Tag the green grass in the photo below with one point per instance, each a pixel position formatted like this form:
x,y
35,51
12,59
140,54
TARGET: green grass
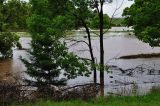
x,y
23,34
151,99
69,33
117,21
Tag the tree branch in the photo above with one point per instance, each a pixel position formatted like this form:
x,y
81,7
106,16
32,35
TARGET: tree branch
x,y
77,41
111,19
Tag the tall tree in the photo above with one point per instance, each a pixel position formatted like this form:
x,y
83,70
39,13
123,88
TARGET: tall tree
x,y
82,10
143,16
49,55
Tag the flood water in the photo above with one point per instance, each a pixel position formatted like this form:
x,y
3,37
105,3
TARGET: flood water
x,y
115,45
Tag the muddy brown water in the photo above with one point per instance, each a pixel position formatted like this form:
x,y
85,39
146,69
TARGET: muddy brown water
x,y
115,45
6,70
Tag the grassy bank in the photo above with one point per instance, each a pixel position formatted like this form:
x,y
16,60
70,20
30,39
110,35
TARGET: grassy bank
x,y
151,99
23,34
73,33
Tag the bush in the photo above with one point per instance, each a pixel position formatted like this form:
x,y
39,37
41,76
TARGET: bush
x,y
7,41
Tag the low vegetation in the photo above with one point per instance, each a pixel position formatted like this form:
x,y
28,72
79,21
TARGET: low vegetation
x,y
7,41
151,99
118,22
23,34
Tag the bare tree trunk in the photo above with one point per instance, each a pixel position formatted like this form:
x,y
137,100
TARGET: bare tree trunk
x,y
91,54
101,23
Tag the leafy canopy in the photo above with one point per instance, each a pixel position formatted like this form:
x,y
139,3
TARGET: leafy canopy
x,y
7,39
94,23
15,13
49,54
144,15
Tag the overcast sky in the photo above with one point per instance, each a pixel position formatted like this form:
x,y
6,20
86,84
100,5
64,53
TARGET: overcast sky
x,y
110,8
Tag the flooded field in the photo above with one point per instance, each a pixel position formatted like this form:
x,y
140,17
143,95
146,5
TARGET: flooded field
x,y
127,75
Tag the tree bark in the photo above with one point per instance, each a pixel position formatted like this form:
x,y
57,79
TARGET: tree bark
x,y
91,54
101,24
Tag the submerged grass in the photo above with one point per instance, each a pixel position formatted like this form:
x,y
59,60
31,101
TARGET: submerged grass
x,y
151,99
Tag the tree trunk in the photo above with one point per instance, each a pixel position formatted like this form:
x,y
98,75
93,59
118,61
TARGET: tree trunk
x,y
101,51
92,55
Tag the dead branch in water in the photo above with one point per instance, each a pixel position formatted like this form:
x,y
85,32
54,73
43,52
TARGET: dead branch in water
x,y
152,55
140,69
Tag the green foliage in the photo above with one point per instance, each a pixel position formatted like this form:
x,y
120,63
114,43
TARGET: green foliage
x,y
43,65
94,22
7,41
15,13
74,66
144,15
49,54
47,60
118,22
81,11
1,15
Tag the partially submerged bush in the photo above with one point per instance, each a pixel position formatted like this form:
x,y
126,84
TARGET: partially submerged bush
x,y
155,89
7,41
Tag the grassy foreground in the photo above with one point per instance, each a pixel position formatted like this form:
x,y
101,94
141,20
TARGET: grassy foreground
x,y
151,99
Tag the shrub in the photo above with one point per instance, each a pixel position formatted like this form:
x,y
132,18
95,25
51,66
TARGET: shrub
x,y
7,41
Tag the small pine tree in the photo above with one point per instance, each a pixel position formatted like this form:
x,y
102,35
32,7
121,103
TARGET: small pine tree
x,y
42,64
48,58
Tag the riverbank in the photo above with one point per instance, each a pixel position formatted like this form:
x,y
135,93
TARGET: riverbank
x,y
94,32
151,99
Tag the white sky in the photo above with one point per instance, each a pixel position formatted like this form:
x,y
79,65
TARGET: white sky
x,y
110,8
